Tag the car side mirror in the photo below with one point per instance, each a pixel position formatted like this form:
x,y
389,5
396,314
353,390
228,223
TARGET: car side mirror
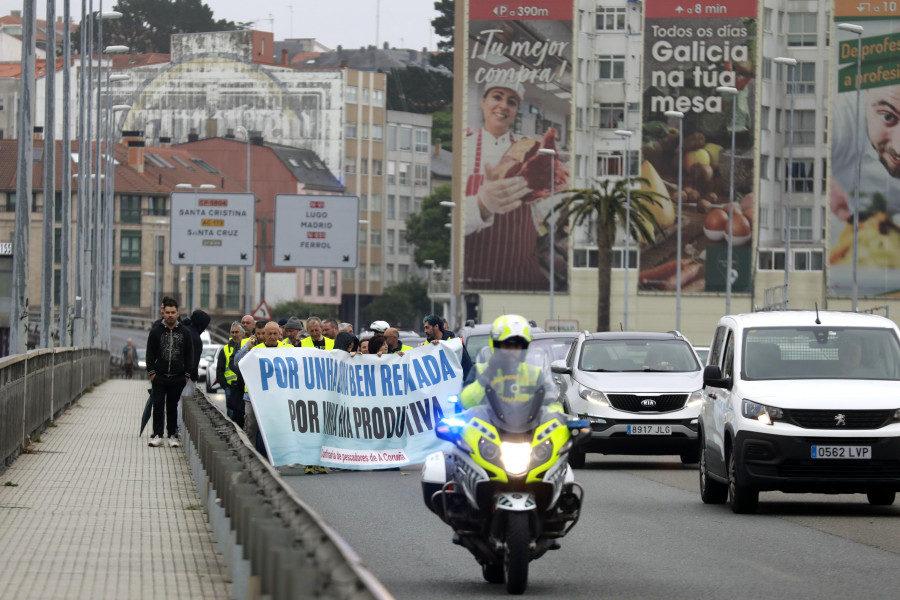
x,y
712,377
560,367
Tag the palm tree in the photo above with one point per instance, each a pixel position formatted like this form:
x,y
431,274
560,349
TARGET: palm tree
x,y
606,206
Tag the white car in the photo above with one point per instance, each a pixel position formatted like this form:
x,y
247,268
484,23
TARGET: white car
x,y
206,358
801,401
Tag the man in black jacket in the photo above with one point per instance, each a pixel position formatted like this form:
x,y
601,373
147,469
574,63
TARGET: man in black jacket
x,y
169,362
435,332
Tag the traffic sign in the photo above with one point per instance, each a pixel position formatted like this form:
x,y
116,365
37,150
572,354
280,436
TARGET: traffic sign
x,y
262,312
316,231
213,229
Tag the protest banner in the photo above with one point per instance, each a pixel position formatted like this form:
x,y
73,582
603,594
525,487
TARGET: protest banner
x,y
317,407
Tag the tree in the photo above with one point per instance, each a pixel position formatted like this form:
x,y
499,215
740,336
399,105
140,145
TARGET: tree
x,y
442,128
444,26
146,25
606,207
417,90
426,230
403,305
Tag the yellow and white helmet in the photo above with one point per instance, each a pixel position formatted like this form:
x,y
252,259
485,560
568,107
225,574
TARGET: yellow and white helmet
x,y
510,327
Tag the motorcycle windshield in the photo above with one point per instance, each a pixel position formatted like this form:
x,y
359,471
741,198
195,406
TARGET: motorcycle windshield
x,y
514,390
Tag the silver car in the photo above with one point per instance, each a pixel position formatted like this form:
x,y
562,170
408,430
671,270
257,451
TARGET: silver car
x,y
640,391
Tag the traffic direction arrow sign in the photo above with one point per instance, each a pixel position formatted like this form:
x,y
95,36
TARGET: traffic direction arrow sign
x,y
262,312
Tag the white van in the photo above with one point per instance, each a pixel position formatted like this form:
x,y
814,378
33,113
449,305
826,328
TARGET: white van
x,y
801,401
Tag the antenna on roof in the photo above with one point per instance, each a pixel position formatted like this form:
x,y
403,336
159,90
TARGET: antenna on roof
x,y
818,322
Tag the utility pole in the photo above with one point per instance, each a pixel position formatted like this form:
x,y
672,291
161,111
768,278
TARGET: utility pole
x,y
49,182
66,218
263,246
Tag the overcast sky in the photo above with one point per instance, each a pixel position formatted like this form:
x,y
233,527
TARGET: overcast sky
x,y
350,23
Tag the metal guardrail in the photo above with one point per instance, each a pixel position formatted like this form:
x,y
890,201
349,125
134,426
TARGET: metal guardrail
x,y
36,387
273,544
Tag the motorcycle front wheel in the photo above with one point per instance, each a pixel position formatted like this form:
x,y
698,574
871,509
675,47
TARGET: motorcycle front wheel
x,y
517,554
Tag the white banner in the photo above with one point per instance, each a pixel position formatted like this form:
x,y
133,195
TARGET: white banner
x,y
325,407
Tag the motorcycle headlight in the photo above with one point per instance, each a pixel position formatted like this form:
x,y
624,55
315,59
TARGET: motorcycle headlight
x,y
541,453
592,395
695,400
762,413
515,457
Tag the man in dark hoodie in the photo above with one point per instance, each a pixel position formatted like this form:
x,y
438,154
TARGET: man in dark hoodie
x,y
196,325
169,362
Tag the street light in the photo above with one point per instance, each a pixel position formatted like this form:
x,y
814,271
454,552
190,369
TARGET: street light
x,y
791,62
858,30
627,135
356,285
246,269
552,153
430,264
195,284
109,208
450,204
677,114
731,91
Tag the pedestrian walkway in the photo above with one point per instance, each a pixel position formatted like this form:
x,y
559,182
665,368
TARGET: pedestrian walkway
x,y
96,513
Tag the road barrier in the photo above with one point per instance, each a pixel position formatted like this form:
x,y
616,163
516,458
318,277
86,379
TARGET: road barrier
x,y
273,544
36,387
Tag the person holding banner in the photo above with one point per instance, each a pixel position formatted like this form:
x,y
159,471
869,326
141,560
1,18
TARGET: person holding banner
x,y
271,338
316,337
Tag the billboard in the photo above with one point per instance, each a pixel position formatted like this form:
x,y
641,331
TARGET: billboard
x,y
518,95
316,231
689,51
212,229
865,151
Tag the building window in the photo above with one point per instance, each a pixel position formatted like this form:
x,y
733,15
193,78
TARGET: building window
x,y
802,176
804,127
57,207
610,116
233,292
350,164
365,95
619,253
402,244
801,29
57,243
391,171
801,224
611,67
130,248
806,79
770,260
767,19
808,260
377,166
378,98
763,166
764,118
307,282
584,258
767,68
57,283
422,141
403,173
363,202
375,237
352,94
389,275
610,19
392,207
332,283
363,236
610,163
375,204
204,289
350,130
392,137
320,282
157,206
405,204
405,138
403,275
364,166
130,288
421,172
391,239
377,133
363,131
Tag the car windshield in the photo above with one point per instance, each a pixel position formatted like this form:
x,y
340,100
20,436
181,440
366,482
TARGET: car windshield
x,y
637,355
821,353
703,353
208,351
556,348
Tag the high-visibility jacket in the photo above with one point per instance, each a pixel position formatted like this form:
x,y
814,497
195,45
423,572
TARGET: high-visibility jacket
x,y
401,348
307,342
230,375
511,387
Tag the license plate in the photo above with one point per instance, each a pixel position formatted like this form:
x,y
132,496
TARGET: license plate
x,y
842,452
649,430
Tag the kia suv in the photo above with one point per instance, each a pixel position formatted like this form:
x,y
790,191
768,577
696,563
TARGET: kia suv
x,y
640,391
801,401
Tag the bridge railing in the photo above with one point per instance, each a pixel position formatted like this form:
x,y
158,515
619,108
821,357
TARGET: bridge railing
x,y
38,386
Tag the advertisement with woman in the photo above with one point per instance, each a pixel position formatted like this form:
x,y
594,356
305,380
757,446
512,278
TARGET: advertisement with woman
x,y
865,152
517,146
690,50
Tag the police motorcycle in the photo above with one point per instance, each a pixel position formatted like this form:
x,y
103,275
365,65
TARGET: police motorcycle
x,y
506,487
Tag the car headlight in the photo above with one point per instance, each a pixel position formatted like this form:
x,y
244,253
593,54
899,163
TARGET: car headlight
x,y
695,400
515,457
592,395
895,416
762,413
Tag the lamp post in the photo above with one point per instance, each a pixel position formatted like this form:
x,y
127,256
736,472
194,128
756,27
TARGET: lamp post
x,y
246,269
627,135
356,287
552,153
858,30
450,204
791,62
730,91
195,284
430,264
677,114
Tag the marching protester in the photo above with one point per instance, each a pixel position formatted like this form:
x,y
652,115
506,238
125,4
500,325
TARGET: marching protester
x,y
227,377
347,342
435,332
292,328
378,344
316,338
330,328
170,357
392,335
